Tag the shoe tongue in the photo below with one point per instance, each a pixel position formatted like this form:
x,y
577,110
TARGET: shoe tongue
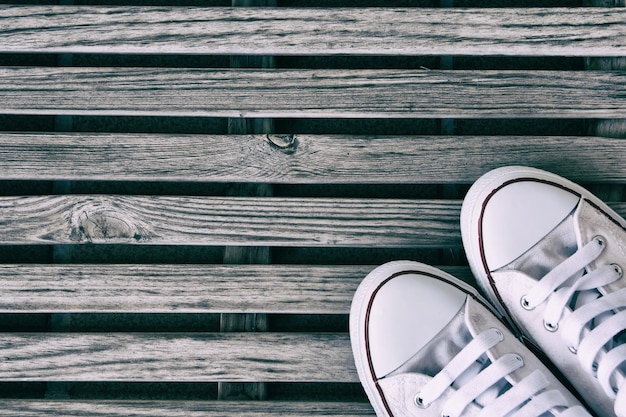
x,y
590,222
472,320
478,322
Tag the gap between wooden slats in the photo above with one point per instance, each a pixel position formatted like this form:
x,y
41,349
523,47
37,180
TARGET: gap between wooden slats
x,y
119,408
315,31
171,357
312,93
278,289
302,158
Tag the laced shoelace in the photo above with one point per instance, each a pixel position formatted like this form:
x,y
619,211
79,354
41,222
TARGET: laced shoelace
x,y
484,385
591,329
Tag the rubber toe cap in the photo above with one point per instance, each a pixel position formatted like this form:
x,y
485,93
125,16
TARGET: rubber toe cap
x,y
519,215
406,313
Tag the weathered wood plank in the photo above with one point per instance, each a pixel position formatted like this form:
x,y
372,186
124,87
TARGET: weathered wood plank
x,y
312,93
323,31
168,357
301,158
26,408
228,221
183,288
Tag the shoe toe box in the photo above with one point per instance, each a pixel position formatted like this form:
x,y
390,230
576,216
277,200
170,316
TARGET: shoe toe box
x,y
518,215
406,313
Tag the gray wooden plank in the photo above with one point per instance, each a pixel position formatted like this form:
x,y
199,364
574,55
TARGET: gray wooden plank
x,y
170,357
312,93
296,222
321,31
301,159
284,289
37,408
228,221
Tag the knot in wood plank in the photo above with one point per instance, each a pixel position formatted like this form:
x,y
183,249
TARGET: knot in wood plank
x,y
285,143
105,222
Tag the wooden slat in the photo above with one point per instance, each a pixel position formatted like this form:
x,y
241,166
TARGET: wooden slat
x,y
183,288
26,408
301,158
231,221
312,93
228,221
168,357
377,31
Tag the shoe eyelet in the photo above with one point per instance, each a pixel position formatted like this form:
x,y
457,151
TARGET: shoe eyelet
x,y
519,358
550,327
600,240
618,269
526,304
419,401
499,333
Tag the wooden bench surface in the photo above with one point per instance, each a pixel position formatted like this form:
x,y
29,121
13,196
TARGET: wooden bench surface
x,y
309,289
312,93
300,158
190,195
316,31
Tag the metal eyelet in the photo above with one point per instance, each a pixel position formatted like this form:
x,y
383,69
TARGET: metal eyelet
x,y
526,304
618,270
499,333
419,401
600,240
550,327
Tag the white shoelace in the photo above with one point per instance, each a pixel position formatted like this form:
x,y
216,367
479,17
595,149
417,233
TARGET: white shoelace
x,y
591,328
484,385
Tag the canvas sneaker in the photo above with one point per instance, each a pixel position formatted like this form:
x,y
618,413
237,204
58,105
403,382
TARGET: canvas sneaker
x,y
549,255
427,344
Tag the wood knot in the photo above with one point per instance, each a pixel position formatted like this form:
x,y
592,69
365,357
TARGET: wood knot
x,y
285,143
105,222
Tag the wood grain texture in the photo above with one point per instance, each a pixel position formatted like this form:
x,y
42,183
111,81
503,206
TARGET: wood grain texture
x,y
312,93
323,31
227,221
238,221
26,408
170,357
279,289
300,159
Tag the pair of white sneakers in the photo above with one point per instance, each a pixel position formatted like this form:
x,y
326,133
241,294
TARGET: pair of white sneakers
x,y
547,254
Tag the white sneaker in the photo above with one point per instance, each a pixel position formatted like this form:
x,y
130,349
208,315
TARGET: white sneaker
x,y
548,253
426,344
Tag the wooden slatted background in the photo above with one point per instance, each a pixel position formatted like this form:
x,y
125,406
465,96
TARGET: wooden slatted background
x,y
191,193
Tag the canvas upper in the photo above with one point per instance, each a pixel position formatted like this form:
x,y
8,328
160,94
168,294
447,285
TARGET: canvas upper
x,y
426,344
548,254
